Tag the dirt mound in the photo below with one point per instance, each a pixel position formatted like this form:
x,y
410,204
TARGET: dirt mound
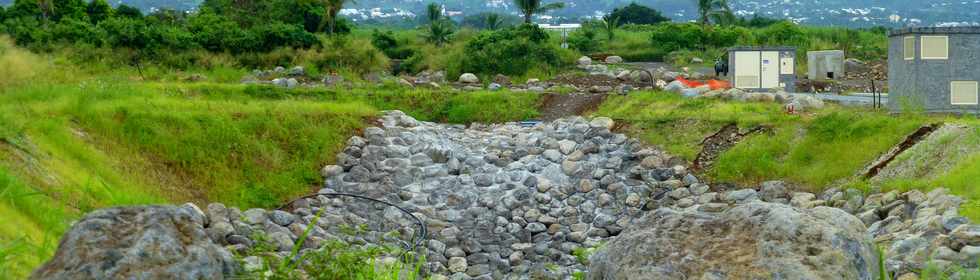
x,y
718,143
555,106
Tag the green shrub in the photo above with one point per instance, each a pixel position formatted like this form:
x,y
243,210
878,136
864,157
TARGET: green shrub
x,y
585,39
783,33
386,42
218,33
344,54
279,34
674,37
74,30
512,51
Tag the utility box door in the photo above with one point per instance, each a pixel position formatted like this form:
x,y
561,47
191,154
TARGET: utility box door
x,y
770,69
747,69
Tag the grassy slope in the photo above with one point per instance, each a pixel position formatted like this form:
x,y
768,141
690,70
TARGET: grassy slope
x,y
817,150
950,161
70,144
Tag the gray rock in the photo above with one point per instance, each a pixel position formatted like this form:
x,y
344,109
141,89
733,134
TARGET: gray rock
x,y
951,223
457,264
602,122
330,171
566,146
966,234
151,242
614,59
196,212
255,216
774,191
536,227
552,155
741,195
820,243
219,231
469,78
801,199
281,218
297,71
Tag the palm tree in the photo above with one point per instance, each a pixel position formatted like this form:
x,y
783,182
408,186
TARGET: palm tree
x,y
530,7
493,21
609,25
713,9
440,31
330,10
47,9
440,28
433,12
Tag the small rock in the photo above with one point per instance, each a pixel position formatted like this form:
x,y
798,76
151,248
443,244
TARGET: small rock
x,y
469,78
602,122
741,195
457,264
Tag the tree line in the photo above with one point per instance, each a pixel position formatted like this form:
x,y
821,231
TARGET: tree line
x,y
220,25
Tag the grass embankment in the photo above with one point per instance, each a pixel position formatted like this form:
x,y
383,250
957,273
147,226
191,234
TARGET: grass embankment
x,y
949,158
73,144
815,150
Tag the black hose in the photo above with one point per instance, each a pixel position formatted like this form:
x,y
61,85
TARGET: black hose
x,y
418,236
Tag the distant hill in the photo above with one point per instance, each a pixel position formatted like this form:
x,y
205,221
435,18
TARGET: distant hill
x,y
855,13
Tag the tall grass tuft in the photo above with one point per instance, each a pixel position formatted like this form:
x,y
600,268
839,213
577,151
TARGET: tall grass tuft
x,y
17,65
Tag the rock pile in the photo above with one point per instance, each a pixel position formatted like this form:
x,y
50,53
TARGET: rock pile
x,y
503,200
512,202
791,102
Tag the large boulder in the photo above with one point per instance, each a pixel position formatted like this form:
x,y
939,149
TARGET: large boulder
x,y
614,59
584,61
758,240
151,242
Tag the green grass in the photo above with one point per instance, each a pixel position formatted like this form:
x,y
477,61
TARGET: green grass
x,y
834,145
74,139
813,150
952,162
678,125
102,143
30,228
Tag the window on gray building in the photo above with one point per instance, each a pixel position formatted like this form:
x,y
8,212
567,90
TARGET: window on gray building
x,y
909,48
935,47
963,93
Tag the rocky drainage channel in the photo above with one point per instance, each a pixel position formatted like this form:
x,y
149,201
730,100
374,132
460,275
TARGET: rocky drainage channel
x,y
512,202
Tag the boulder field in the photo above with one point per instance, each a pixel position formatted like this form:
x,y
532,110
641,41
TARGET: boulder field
x,y
510,201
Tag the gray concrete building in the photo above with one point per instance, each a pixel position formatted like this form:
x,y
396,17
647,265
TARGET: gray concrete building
x,y
935,69
825,65
763,68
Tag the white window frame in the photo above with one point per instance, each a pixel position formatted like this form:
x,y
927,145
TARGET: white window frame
x,y
905,48
976,92
922,49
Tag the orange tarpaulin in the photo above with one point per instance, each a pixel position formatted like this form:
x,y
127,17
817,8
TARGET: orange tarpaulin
x,y
713,84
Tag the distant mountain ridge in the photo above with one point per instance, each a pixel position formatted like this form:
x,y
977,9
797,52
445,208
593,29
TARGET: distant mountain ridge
x,y
854,13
